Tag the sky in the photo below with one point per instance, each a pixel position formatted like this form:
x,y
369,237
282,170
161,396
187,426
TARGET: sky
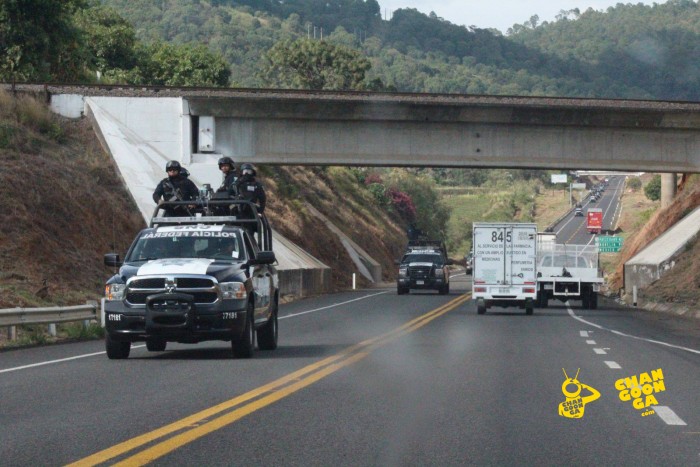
x,y
499,14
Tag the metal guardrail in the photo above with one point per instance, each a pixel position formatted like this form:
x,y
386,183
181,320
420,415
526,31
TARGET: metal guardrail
x,y
48,315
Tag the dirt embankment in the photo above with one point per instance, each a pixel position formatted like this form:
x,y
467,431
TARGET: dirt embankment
x,y
682,283
65,207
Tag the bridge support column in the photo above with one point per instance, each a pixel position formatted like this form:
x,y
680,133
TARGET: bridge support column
x,y
668,189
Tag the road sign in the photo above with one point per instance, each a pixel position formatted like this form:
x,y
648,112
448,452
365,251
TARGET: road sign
x,y
559,178
608,244
578,186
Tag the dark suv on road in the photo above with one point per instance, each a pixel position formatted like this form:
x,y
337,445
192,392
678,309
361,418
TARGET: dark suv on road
x,y
424,266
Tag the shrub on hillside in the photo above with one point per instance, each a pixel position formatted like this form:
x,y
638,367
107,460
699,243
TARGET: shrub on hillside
x,y
653,188
634,183
403,204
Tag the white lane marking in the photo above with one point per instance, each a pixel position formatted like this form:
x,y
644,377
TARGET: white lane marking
x,y
600,351
666,344
24,367
331,306
33,365
584,333
668,415
613,365
460,274
590,342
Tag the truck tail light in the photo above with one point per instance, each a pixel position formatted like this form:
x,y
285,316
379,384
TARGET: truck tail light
x,y
529,290
479,289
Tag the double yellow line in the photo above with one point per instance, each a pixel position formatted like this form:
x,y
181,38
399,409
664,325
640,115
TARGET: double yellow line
x,y
202,423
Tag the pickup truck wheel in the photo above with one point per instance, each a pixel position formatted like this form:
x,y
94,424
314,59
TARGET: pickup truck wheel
x,y
445,289
401,290
480,306
117,350
242,345
267,334
156,345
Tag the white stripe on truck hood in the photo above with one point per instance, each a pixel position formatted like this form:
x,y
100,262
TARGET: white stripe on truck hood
x,y
175,266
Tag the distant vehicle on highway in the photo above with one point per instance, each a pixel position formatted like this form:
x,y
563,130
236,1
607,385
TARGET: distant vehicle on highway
x,y
424,266
594,220
578,210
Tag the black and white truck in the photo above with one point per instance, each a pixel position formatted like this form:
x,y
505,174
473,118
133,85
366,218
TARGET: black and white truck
x,y
505,265
195,278
424,265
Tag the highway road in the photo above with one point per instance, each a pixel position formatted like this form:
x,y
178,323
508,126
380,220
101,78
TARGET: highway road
x,y
369,378
572,229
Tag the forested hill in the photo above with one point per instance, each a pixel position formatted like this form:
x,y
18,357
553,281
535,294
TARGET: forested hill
x,y
629,51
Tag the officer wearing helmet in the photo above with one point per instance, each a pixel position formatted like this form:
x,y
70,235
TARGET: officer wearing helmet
x,y
249,189
230,177
176,187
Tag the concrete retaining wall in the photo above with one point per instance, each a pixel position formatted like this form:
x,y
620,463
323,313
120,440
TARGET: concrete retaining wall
x,y
304,282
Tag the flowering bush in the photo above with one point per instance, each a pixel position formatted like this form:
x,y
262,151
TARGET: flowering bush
x,y
403,203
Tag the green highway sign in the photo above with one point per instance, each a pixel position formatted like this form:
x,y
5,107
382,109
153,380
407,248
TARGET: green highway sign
x,y
608,244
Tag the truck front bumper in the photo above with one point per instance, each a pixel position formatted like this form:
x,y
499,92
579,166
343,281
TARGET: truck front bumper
x,y
175,318
432,283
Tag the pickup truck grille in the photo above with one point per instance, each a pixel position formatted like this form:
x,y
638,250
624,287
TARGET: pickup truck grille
x,y
419,272
203,290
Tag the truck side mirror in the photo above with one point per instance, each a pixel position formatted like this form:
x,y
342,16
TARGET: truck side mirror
x,y
112,259
264,257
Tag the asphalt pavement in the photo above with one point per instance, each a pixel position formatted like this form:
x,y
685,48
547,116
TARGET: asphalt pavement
x,y
370,378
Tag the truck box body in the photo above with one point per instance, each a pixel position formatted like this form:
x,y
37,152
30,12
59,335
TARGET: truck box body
x,y
505,264
594,220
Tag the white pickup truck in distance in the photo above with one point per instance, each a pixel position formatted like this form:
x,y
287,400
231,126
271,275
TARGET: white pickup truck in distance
x,y
567,272
505,265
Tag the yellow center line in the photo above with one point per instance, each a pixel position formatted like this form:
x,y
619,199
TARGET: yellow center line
x,y
198,424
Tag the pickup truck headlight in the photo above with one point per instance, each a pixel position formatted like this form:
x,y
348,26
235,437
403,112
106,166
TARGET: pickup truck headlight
x,y
440,272
114,292
403,271
232,290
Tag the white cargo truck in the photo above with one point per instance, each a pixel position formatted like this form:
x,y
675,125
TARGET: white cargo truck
x,y
505,265
567,272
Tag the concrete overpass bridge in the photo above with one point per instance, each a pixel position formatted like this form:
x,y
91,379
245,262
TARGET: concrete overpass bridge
x,y
143,127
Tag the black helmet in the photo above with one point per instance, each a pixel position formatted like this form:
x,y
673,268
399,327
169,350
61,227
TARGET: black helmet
x,y
173,165
249,167
184,172
226,160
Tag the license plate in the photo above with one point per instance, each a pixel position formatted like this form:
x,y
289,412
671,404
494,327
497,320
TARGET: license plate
x,y
420,282
504,290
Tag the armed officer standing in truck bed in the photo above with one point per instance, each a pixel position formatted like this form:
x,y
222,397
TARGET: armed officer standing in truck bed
x,y
175,187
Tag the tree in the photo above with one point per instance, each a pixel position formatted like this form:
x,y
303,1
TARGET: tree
x,y
109,38
39,42
653,188
314,64
164,64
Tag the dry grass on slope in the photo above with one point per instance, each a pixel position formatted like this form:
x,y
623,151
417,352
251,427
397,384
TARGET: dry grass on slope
x,y
662,220
64,207
335,193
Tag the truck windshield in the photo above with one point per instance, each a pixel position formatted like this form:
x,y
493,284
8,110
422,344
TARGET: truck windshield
x,y
423,258
226,247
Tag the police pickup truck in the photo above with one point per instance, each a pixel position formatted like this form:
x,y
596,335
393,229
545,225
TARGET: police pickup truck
x,y
424,266
195,278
